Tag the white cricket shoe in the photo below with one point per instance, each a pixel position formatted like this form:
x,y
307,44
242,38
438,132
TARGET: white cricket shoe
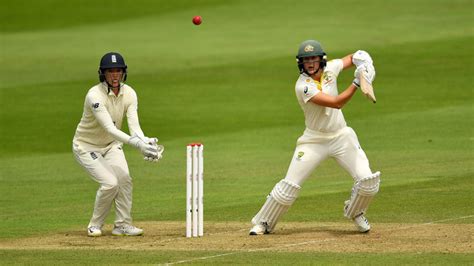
x,y
259,229
362,223
94,231
127,230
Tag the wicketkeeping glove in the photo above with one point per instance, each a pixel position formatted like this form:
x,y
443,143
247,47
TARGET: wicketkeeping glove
x,y
160,149
159,155
148,150
152,141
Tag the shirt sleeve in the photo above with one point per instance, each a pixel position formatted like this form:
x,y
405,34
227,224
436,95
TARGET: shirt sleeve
x,y
335,67
103,118
132,116
306,90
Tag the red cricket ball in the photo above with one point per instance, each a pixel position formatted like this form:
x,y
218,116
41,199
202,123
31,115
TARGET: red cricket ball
x,y
197,20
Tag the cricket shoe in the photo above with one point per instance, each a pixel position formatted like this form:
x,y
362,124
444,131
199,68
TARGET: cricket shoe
x,y
127,230
362,223
94,231
259,229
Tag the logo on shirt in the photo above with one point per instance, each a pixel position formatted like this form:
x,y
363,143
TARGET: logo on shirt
x,y
305,90
95,105
300,154
326,77
93,156
308,48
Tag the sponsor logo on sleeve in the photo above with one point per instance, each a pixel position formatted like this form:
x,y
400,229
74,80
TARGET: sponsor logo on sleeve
x,y
305,90
95,105
93,155
300,154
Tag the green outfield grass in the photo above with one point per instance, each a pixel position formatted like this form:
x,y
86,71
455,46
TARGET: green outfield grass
x,y
230,84
262,258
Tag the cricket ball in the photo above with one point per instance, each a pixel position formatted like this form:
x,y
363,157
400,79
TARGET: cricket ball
x,y
197,20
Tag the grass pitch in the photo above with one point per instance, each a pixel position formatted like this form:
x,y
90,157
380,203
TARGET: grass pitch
x,y
230,84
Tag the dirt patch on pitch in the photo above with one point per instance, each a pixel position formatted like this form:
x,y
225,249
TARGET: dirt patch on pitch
x,y
290,237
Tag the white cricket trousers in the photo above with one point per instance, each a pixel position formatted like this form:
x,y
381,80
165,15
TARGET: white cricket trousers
x,y
110,170
314,147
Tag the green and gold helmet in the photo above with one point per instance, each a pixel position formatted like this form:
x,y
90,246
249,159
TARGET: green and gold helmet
x,y
310,48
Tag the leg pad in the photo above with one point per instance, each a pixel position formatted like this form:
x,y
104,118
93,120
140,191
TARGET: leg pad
x,y
278,202
362,193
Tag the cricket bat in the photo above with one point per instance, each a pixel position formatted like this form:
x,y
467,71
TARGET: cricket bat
x,y
366,88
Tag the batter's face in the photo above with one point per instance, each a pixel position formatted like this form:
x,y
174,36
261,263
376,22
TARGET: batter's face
x,y
311,64
114,76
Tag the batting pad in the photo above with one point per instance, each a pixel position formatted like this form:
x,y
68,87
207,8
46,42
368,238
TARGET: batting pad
x,y
278,202
362,193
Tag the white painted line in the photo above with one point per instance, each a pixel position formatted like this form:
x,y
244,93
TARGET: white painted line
x,y
451,219
433,222
251,250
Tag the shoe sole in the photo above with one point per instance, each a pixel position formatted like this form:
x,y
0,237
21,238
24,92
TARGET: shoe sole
x,y
257,234
361,230
126,234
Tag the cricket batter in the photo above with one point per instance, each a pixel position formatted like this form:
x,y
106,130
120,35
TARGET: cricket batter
x,y
97,145
326,135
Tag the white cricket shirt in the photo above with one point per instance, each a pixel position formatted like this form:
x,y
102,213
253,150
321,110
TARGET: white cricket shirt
x,y
102,118
319,118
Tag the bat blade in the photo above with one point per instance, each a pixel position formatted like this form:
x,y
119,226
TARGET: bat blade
x,y
367,88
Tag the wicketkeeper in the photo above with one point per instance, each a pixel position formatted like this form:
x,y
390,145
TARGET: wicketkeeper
x,y
98,141
326,135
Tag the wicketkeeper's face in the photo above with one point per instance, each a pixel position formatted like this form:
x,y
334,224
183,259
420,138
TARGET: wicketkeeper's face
x,y
311,64
114,76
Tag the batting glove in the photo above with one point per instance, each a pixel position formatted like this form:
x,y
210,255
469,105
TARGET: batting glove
x,y
368,71
361,57
356,80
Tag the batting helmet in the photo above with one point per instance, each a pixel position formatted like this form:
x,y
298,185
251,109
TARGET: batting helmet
x,y
310,48
112,60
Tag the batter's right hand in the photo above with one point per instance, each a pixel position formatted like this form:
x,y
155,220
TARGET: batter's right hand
x,y
367,70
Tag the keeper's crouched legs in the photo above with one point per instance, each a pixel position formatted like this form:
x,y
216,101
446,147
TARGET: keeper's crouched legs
x,y
278,202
